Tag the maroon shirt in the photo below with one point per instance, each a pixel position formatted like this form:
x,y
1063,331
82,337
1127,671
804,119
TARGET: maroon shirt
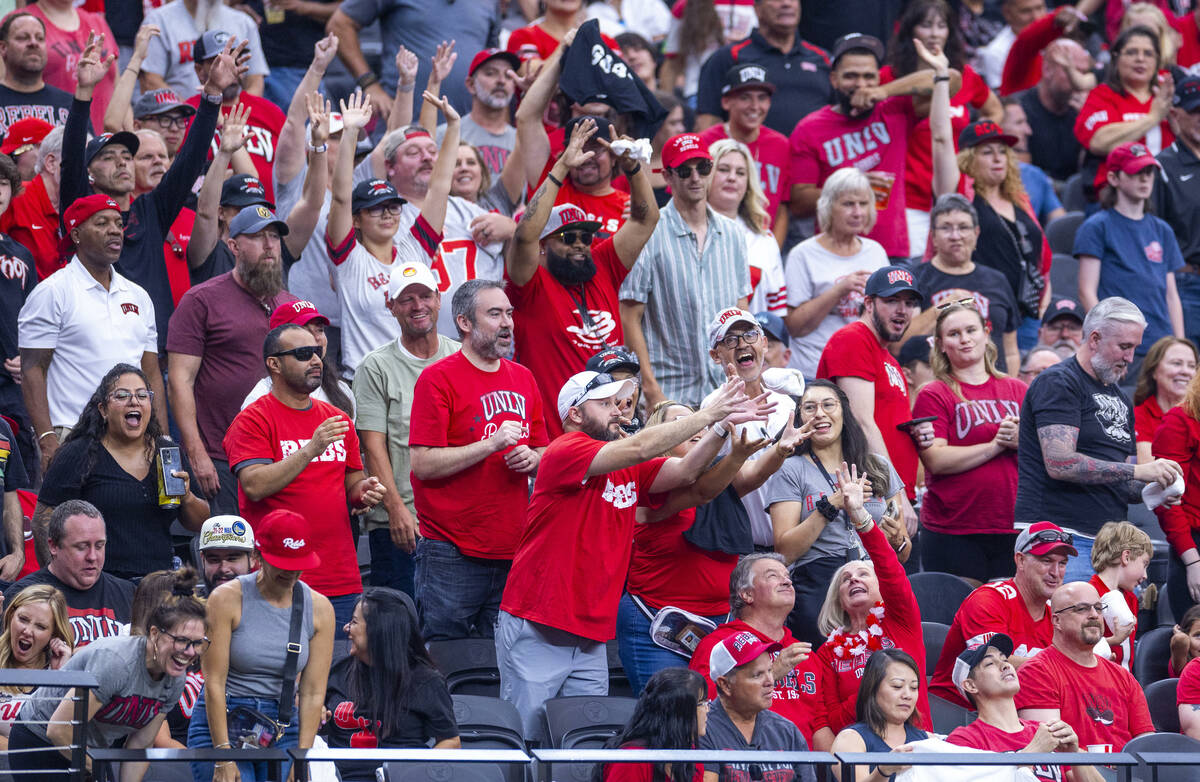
x,y
225,326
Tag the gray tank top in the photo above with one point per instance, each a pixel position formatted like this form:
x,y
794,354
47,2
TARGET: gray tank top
x,y
258,647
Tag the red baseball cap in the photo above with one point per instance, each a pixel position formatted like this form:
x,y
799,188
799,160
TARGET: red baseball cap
x,y
1045,537
513,60
682,148
1130,158
282,539
85,207
299,312
24,135
735,650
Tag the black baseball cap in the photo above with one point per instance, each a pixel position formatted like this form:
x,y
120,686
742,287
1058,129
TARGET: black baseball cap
x,y
982,131
242,190
1187,93
746,76
371,193
914,349
857,42
891,280
1063,307
973,655
772,325
123,137
209,45
613,359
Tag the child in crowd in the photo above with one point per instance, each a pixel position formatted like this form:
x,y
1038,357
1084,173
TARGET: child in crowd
x,y
1120,557
1185,641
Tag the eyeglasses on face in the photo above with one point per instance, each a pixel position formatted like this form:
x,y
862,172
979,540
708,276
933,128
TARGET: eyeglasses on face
x,y
746,338
124,395
183,643
830,406
379,210
170,121
702,167
581,237
1082,608
300,354
950,229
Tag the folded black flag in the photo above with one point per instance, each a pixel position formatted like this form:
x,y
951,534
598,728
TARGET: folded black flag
x,y
593,72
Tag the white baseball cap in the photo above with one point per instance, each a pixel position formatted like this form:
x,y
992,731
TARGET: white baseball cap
x,y
227,532
565,215
720,325
583,386
411,273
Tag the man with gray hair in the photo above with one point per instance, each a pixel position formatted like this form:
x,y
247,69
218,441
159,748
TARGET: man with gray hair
x,y
32,217
760,598
1077,433
479,437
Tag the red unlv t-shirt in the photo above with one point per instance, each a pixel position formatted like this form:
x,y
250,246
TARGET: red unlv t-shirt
x,y
570,566
480,509
268,431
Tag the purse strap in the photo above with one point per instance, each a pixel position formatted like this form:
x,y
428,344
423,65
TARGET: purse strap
x,y
288,690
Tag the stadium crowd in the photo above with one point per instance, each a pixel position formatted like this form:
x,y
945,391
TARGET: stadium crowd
x,y
337,329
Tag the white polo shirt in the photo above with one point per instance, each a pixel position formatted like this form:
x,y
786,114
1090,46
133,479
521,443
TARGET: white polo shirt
x,y
89,328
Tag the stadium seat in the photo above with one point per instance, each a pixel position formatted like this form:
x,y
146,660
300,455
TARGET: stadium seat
x,y
584,722
939,595
439,772
1163,742
1160,696
1064,275
1151,656
469,665
618,680
946,715
1061,232
1073,198
490,723
934,635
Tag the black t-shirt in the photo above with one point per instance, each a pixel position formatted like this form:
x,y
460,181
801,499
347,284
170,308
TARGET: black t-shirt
x,y
1066,395
94,613
49,104
221,260
12,469
17,278
430,715
993,298
139,532
824,23
124,17
1009,247
288,44
1053,147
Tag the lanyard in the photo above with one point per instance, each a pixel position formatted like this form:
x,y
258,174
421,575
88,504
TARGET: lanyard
x,y
854,551
585,316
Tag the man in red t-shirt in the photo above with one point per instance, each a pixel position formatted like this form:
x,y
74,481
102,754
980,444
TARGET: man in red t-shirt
x,y
563,286
746,99
1016,607
1098,698
986,678
761,597
560,604
479,436
289,450
857,359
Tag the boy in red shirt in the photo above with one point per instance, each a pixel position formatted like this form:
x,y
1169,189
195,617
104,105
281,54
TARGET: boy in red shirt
x,y
1120,556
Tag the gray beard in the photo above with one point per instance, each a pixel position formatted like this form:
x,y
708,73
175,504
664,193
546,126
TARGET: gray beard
x,y
491,100
205,16
262,282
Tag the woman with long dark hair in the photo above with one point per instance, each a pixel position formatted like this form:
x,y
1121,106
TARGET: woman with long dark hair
x,y
693,37
813,528
887,711
670,714
110,459
387,693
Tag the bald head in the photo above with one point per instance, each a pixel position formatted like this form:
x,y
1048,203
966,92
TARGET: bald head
x,y
1078,622
1073,593
1055,78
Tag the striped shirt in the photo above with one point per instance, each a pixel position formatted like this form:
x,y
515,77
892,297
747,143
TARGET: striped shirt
x,y
682,291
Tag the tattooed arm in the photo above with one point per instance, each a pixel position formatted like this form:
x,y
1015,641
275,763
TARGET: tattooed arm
x,y
1064,463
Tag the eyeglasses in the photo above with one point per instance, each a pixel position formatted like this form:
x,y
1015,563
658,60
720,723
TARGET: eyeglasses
x,y
967,302
702,167
379,210
124,395
183,643
571,237
1083,608
167,121
1049,536
952,228
300,354
829,406
746,338
600,379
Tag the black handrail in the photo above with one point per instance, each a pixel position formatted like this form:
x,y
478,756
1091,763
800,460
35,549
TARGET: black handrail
x,y
1124,761
302,757
23,677
275,757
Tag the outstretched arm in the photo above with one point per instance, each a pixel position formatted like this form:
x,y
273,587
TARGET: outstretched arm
x,y
1064,462
119,114
945,163
436,199
443,61
206,230
304,215
289,148
89,71
531,133
355,115
633,234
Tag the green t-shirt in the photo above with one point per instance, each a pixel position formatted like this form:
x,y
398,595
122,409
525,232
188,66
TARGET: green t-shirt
x,y
383,391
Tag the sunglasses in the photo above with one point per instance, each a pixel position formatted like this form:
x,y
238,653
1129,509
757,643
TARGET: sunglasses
x,y
599,380
571,237
300,354
702,167
967,302
1049,536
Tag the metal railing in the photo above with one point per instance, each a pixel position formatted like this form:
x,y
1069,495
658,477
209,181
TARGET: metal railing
x,y
21,677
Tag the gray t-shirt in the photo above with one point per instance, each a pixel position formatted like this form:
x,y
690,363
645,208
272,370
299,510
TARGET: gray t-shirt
x,y
771,732
495,147
800,480
170,53
130,698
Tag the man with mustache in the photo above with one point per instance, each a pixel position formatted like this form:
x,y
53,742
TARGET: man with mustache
x,y
1077,432
224,550
1098,698
486,127
1062,326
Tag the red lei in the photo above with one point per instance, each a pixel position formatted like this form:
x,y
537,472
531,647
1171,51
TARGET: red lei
x,y
864,641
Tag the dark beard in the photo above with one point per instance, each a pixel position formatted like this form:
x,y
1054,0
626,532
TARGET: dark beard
x,y
599,431
570,272
842,99
263,282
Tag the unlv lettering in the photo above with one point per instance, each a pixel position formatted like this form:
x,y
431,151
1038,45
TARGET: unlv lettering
x,y
497,402
90,626
770,175
981,412
854,144
132,710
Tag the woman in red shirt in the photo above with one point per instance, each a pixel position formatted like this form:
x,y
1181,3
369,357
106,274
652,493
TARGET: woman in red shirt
x,y
857,620
539,40
1162,383
1178,438
671,713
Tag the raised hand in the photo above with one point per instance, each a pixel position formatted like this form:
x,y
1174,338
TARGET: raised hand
x,y
729,397
742,447
853,487
939,62
443,61
443,105
626,159
93,65
230,65
324,51
791,438
357,112
757,409
333,429
574,156
318,118
1164,94
141,43
523,82
233,128
407,64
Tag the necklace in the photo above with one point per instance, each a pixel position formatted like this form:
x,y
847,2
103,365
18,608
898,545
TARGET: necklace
x,y
854,644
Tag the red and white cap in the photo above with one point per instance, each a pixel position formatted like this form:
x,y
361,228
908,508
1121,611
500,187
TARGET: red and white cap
x,y
566,215
1131,158
738,649
1045,537
283,539
720,325
682,148
479,59
84,208
299,312
411,273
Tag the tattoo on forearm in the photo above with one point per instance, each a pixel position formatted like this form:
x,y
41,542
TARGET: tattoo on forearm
x,y
1065,463
40,525
638,211
532,207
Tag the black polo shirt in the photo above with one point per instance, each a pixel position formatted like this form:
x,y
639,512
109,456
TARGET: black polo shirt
x,y
801,78
824,23
1176,198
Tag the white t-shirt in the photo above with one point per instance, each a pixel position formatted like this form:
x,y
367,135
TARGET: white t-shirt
x,y
89,328
811,270
170,52
766,271
991,58
650,19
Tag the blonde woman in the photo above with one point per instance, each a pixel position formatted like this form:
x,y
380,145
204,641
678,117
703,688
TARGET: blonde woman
x,y
971,468
736,192
37,636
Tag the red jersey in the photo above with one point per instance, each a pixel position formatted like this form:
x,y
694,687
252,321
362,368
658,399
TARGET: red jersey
x,y
981,735
608,210
1103,703
480,509
1178,438
1104,106
262,134
574,553
661,553
553,339
1188,690
175,245
854,351
1123,654
918,160
796,697
825,141
1146,419
534,41
773,154
1189,51
980,499
990,609
268,431
901,624
33,221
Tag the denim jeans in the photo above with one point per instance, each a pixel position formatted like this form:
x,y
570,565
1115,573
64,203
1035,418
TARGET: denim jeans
x,y
281,85
200,738
1188,286
457,595
391,566
1080,568
1027,336
640,656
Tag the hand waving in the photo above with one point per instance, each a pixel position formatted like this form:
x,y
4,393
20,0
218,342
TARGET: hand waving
x,y
853,487
141,44
574,156
357,113
443,61
233,128
93,65
231,64
318,118
324,51
407,64
443,105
